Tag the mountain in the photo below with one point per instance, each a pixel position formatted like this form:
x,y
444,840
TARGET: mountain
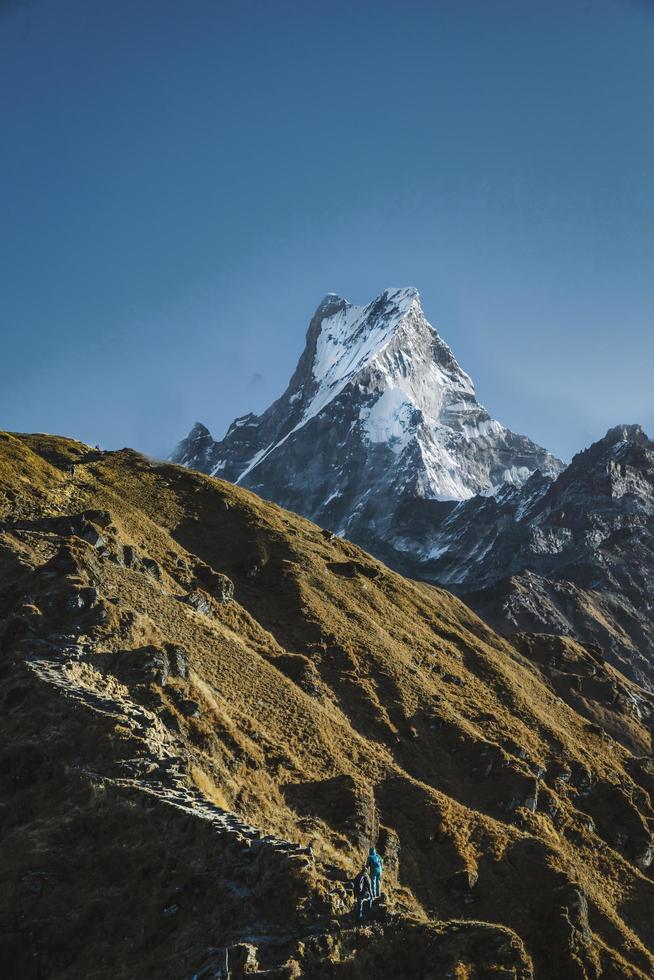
x,y
573,556
379,437
377,411
210,708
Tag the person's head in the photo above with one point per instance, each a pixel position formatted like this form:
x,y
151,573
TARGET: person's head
x,y
371,851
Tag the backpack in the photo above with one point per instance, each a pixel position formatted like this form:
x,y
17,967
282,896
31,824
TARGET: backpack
x,y
362,885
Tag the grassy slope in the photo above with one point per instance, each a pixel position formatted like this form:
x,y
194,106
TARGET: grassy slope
x,y
336,699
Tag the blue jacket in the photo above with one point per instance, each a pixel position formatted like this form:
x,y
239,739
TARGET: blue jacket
x,y
375,864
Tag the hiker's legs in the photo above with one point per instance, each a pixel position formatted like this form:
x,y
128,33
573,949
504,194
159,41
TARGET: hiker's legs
x,y
376,885
363,904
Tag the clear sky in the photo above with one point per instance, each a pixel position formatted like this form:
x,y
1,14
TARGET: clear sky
x,y
182,182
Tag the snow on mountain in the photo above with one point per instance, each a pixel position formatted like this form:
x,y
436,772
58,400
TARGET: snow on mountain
x,y
351,337
377,410
380,437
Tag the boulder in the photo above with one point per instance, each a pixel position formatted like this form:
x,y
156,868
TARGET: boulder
x,y
200,601
128,556
214,583
643,851
157,665
223,588
178,660
76,598
151,567
188,708
153,664
102,518
531,800
242,959
574,906
461,885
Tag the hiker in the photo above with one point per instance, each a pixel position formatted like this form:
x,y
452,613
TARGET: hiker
x,y
362,893
375,866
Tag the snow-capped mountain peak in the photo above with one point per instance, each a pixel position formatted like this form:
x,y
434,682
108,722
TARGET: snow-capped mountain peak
x,y
377,411
350,338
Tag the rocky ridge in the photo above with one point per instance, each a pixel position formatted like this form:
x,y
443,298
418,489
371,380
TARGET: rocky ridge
x,y
572,556
211,707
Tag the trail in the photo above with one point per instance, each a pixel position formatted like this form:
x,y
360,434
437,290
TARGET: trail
x,y
160,771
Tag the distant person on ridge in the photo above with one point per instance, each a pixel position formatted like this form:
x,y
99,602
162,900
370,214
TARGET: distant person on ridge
x,y
362,893
375,866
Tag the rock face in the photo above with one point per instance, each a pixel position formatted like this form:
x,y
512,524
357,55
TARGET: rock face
x,y
377,411
572,556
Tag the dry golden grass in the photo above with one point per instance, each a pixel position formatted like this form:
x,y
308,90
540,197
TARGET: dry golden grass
x,y
338,700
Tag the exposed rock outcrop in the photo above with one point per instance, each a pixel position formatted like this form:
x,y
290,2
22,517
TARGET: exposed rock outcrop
x,y
181,789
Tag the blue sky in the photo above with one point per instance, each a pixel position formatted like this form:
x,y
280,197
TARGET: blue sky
x,y
181,183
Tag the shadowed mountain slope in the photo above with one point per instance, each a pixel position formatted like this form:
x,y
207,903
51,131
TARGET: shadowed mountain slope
x,y
573,556
210,707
